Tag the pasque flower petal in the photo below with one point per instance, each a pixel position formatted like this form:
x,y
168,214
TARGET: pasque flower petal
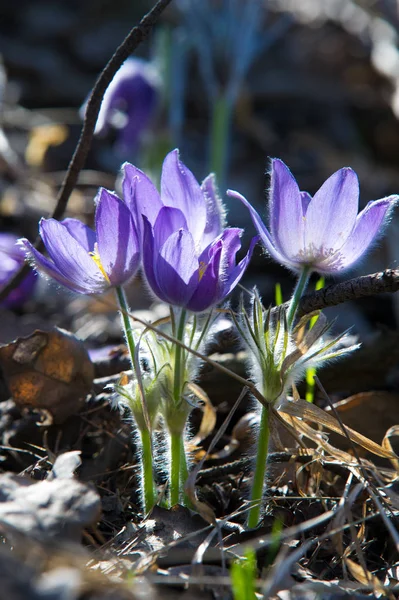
x,y
117,240
149,257
12,257
70,258
260,227
169,221
286,213
331,214
44,265
215,214
82,234
236,272
180,189
176,268
140,195
368,226
208,287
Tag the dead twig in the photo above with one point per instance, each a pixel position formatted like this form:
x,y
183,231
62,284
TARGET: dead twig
x,y
359,287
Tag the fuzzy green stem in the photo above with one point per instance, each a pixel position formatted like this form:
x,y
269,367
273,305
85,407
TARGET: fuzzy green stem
x,y
178,463
220,133
147,471
127,326
175,467
177,384
148,491
260,468
296,296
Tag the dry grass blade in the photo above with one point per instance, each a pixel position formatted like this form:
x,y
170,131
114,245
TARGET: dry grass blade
x,y
305,410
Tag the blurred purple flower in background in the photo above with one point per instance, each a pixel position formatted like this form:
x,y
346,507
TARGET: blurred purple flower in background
x,y
129,103
189,260
85,261
12,258
325,232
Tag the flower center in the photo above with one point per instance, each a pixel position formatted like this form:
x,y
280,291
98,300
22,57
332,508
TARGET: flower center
x,y
313,255
96,257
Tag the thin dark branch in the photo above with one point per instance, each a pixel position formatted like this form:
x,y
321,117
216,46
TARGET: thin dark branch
x,y
360,287
129,45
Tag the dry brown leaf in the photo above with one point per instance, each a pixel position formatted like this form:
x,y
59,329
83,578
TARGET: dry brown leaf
x,y
313,413
366,578
48,370
370,412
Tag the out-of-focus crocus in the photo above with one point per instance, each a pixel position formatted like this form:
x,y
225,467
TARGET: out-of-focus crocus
x,y
188,258
129,103
12,258
85,261
324,233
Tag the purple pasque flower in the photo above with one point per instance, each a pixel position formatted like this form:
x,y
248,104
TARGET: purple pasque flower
x,y
85,261
324,233
12,258
189,259
129,103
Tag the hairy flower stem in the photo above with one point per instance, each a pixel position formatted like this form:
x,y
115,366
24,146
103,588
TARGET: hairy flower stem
x,y
127,326
178,463
220,133
258,483
146,459
147,470
297,295
175,467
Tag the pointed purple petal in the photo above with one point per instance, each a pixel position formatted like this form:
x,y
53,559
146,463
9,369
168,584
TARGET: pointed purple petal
x,y
118,244
169,221
305,199
70,258
176,268
149,258
368,227
43,265
285,209
215,212
331,214
140,195
82,234
261,229
230,244
237,272
180,189
207,292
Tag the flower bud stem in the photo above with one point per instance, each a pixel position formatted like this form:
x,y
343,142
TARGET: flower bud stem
x,y
178,463
260,469
297,295
147,471
148,491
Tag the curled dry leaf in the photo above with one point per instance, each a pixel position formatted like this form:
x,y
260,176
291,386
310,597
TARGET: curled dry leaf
x,y
208,420
48,370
